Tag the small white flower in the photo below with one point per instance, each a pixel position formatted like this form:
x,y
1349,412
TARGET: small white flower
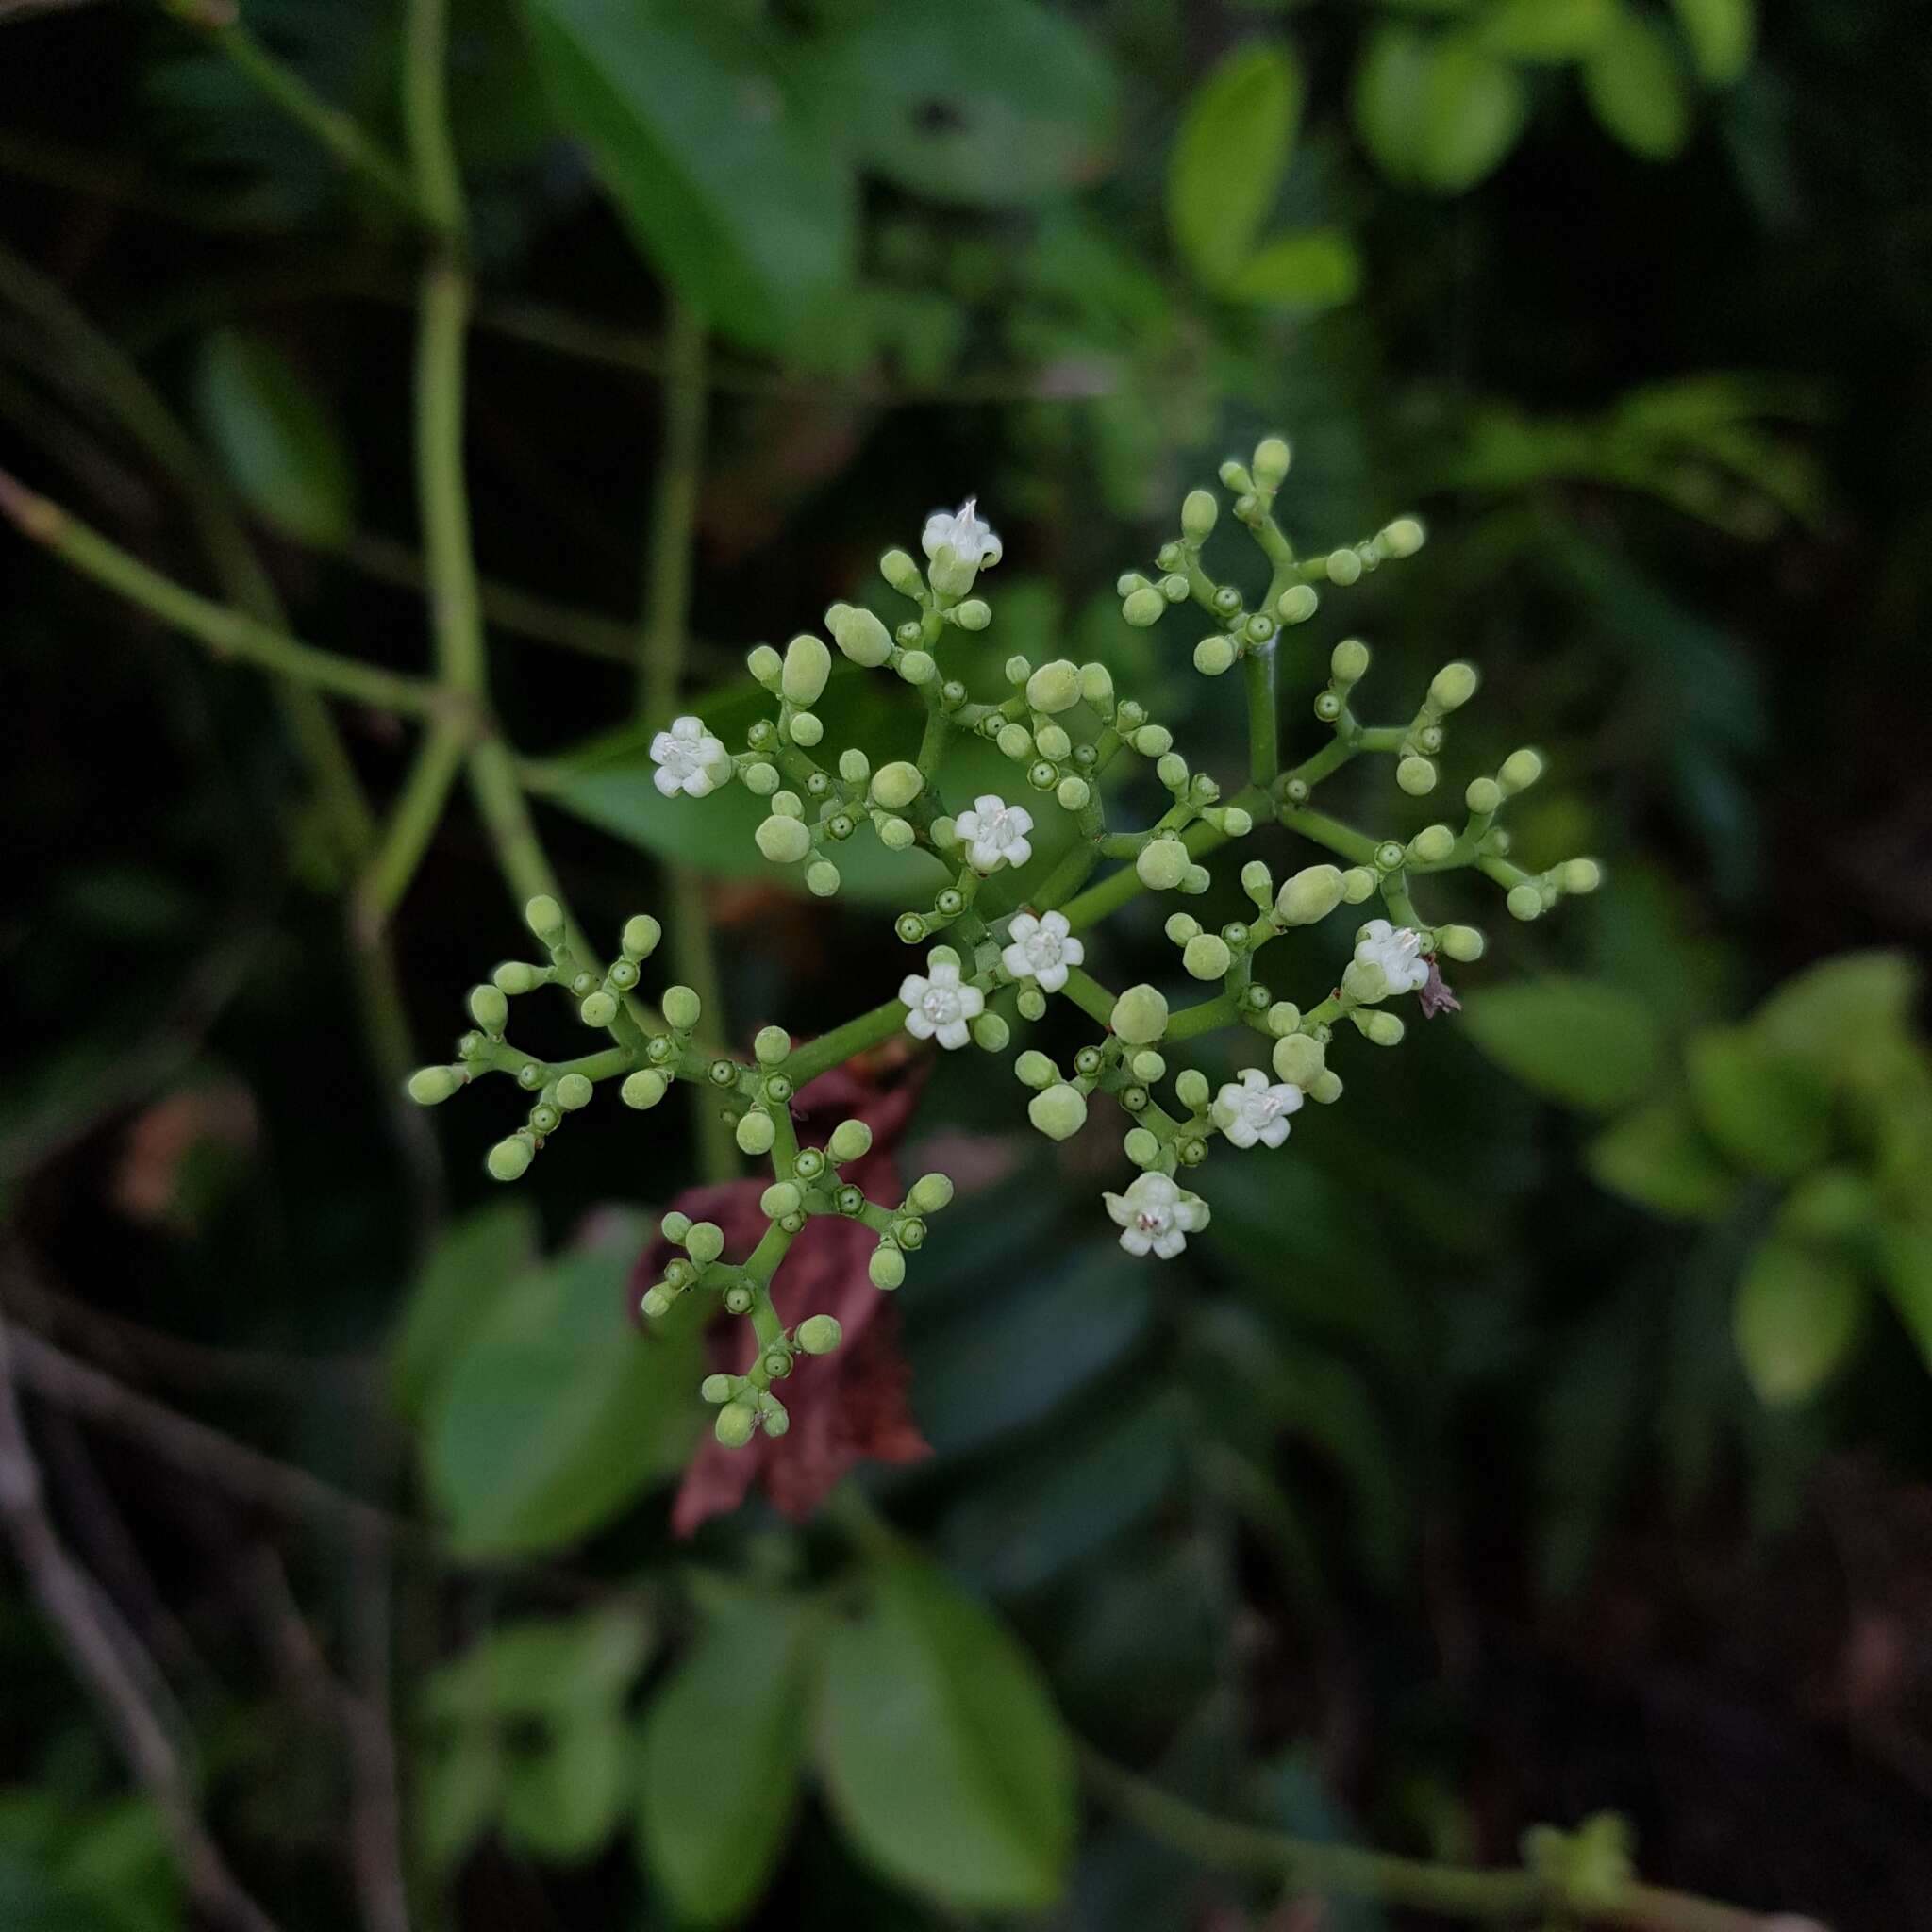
x,y
969,533
689,759
994,833
938,1007
1156,1216
1042,949
1397,951
1256,1109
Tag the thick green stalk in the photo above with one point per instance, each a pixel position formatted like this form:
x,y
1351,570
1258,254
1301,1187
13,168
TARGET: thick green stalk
x,y
1264,726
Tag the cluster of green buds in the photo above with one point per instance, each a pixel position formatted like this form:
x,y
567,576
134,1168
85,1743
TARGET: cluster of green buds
x,y
1065,729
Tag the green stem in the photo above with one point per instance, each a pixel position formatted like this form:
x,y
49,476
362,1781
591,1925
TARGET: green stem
x,y
438,185
1345,841
412,823
456,604
1089,994
834,1048
1264,729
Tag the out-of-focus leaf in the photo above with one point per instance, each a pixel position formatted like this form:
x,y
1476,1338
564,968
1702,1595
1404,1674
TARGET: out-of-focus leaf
x,y
1657,1157
1229,158
703,132
472,1263
556,1413
1546,30
1796,1316
1905,1255
1848,1015
1005,101
1834,1205
35,1899
1767,1109
563,1800
1318,269
1723,36
1589,1045
1436,111
720,1761
276,436
540,1666
1635,84
944,1756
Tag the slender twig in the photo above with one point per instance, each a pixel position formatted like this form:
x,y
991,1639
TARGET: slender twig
x,y
71,1605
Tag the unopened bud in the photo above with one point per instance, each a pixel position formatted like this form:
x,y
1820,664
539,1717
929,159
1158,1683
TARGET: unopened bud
x,y
899,569
1207,956
976,613
510,1158
1432,844
1524,901
735,1424
1161,864
765,665
1312,894
1416,776
1521,769
1344,567
783,840
1298,1060
1143,606
1199,514
1297,604
929,1193
1453,686
1140,1015
1403,537
432,1086
1459,942
886,1268
850,1140
682,1008
756,1133
1212,656
1033,1069
544,917
1269,467
597,1009
1383,1029
1348,663
1582,876
1058,1111
819,1334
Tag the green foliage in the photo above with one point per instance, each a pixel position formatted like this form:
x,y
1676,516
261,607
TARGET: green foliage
x,y
1634,80
1590,1046
1228,159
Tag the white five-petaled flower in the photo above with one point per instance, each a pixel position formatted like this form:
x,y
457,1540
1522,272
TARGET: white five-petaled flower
x,y
1042,949
937,1005
1398,951
1255,1110
994,833
689,759
1156,1216
968,532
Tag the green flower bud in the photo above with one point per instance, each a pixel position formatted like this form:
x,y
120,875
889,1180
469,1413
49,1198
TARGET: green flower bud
x,y
1416,776
990,1031
642,1089
1207,956
860,634
975,614
1197,880
1234,475
1237,822
1173,588
1483,796
1181,927
1403,537
1432,844
1140,1147
886,1268
1297,604
1271,457
737,1300
1358,883
1096,685
1191,1089
917,667
1521,769
597,1009
574,1092
432,1086
1453,686
1328,707
765,665
822,878
850,1140
1524,901
655,1303
783,840
1199,514
1258,882
1325,1088
715,1389
735,1426
1581,875
756,1133
544,917
1073,793
1152,741
1143,606
1059,1112
510,1158
805,728
929,1193
1364,982
1139,1016
1348,663
514,977
1162,863
781,1199
1312,894
1459,942
1299,1061
819,1334
1212,656
1344,567
808,665
488,1008
902,573
761,779
682,1008
1283,1017
1033,1069
1055,687
704,1242
675,1226
1382,1029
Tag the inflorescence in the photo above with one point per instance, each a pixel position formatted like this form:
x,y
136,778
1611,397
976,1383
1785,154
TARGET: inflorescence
x,y
1064,727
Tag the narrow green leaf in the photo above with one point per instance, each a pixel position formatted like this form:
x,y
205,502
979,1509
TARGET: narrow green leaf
x,y
1848,1015
1546,30
1797,1313
542,1666
1592,1046
1229,157
562,1795
1763,1108
1636,87
472,1263
1317,270
1904,1253
277,435
944,1756
1657,1157
720,1760
1436,111
1723,36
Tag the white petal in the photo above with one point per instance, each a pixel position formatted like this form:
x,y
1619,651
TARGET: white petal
x,y
662,746
1275,1132
1050,978
700,784
1019,817
1072,952
1170,1244
953,1034
990,803
972,1002
912,989
1239,1134
667,781
1018,850
1024,926
918,1024
1054,923
1016,963
1135,1241
687,727
1117,1209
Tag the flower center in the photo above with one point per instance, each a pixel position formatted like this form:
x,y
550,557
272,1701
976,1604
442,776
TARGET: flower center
x,y
939,1006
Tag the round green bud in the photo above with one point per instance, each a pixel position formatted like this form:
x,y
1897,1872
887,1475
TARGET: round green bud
x,y
1237,822
1127,583
1284,1017
1059,1112
673,1227
682,1008
756,1133
432,1086
1139,1016
1258,882
1173,588
761,779
654,1304
1135,1099
1403,537
1073,793
1199,514
1524,901
860,634
1096,685
783,840
806,727
1416,776
623,974
1197,880
1087,1062
514,977
1325,1086
1152,741
1140,1147
1581,875
532,1075
1161,864
715,1389
1191,1089
1312,894
1298,1061
1055,687
902,573
510,1158
851,1141
704,1242
1018,670
929,1193
1207,956
849,1200
1483,796
735,1424
765,665
897,785
642,1089
1172,769
1272,458
1181,927
544,917
737,1300
1328,707
1033,1069
1381,1029
948,904
1031,1002
820,1334
1459,942
781,1199
1521,769
1147,1067
574,1092
917,667
544,1119
1143,606
810,1164
886,1268
990,1031
854,766
773,1420
1358,883
1432,844
1297,604
770,1045
1348,663
808,665
598,1009
1344,567
822,878
722,1073
1212,656
895,835
1234,475
1015,741
1052,742
975,614
488,1008
1453,686
777,1364
1043,776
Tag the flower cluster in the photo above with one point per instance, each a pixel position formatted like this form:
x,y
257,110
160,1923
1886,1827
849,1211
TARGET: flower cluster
x,y
1014,897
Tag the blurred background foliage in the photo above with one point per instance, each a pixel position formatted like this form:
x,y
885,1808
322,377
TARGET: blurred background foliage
x,y
1545,1430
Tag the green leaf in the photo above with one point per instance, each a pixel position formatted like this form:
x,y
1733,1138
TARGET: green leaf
x,y
1002,102
702,131
1635,84
1723,36
1590,1046
563,1796
1796,1316
1658,1158
544,1666
1905,1255
276,436
1436,111
557,1413
1849,1015
472,1263
1318,269
944,1756
1763,1108
1546,30
720,1761
1229,158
